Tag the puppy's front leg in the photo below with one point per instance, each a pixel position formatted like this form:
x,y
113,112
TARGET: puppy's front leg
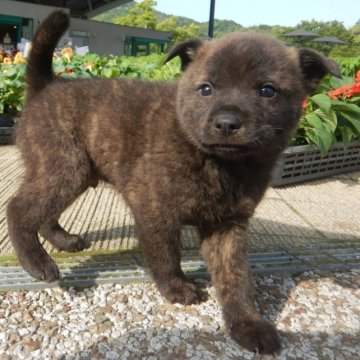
x,y
161,248
224,249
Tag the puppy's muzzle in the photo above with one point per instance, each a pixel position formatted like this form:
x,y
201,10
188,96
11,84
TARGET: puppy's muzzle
x,y
227,123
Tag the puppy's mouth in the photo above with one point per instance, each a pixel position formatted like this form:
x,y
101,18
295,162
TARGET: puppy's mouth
x,y
240,144
230,148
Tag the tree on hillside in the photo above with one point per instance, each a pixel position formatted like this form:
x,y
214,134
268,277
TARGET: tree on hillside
x,y
141,15
328,28
178,33
222,27
110,15
356,28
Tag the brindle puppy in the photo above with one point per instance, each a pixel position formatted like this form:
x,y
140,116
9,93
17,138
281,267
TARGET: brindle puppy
x,y
199,151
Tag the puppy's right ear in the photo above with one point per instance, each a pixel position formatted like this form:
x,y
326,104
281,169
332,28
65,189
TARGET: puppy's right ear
x,y
186,50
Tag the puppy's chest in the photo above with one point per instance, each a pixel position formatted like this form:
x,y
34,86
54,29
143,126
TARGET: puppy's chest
x,y
214,193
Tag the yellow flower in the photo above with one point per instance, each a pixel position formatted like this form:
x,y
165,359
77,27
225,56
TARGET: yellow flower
x,y
89,66
7,60
67,53
19,58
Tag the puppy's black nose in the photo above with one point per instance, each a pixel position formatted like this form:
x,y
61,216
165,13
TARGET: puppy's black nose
x,y
227,124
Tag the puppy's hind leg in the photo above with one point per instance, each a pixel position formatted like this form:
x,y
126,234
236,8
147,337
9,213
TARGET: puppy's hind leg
x,y
36,202
24,214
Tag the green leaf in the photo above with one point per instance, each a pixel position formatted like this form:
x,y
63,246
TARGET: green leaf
x,y
314,120
353,119
311,136
329,118
344,81
354,99
347,135
343,106
335,82
11,73
58,67
323,101
325,139
320,134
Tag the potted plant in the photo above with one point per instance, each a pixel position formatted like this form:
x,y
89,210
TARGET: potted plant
x,y
327,140
12,71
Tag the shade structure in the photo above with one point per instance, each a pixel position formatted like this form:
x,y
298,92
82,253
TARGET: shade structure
x,y
329,40
301,34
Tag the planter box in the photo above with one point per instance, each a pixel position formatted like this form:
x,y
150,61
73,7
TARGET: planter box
x,y
6,135
6,129
301,163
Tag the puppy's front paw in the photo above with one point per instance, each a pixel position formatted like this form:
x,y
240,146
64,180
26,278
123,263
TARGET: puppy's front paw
x,y
257,336
178,290
40,266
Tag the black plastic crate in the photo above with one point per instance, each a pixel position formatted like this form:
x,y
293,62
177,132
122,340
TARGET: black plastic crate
x,y
6,135
301,163
6,129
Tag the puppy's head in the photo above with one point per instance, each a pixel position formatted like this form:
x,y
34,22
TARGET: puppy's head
x,y
243,93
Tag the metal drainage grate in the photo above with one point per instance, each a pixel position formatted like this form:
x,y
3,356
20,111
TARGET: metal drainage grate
x,y
129,267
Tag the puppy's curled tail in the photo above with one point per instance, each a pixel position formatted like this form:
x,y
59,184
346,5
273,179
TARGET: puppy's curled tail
x,y
39,69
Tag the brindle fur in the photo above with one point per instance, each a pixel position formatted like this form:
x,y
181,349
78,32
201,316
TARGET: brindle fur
x,y
160,146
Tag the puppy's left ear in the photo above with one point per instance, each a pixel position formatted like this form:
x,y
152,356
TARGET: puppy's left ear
x,y
186,50
315,66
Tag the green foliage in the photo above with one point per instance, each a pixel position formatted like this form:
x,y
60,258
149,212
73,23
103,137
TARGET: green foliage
x,y
327,28
332,29
11,87
141,15
12,77
349,66
178,32
332,115
221,27
110,15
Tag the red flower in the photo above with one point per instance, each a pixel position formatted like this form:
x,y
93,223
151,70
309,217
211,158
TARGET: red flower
x,y
334,94
347,91
304,103
357,77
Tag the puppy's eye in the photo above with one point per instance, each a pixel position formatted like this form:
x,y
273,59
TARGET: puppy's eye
x,y
267,91
206,89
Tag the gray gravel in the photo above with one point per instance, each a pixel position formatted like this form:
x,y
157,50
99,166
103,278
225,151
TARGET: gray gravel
x,y
317,313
